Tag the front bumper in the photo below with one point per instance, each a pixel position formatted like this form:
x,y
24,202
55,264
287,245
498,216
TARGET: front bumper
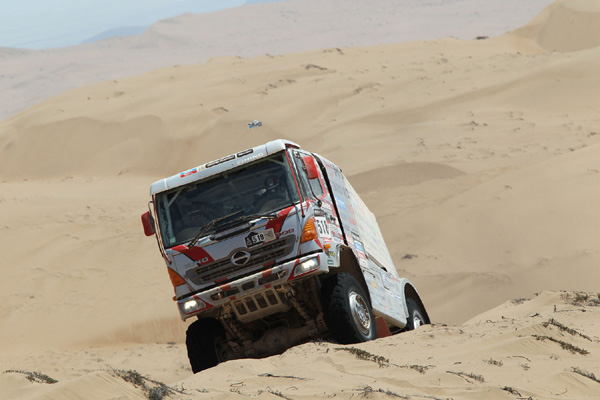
x,y
262,281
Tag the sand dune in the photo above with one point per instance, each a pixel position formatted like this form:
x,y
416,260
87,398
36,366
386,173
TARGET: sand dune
x,y
479,158
566,26
28,77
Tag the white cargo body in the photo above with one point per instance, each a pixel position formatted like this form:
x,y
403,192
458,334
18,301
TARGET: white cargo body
x,y
270,247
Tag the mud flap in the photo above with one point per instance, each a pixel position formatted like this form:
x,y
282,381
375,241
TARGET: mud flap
x,y
382,329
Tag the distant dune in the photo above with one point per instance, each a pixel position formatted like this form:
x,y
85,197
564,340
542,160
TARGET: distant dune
x,y
111,33
28,77
478,157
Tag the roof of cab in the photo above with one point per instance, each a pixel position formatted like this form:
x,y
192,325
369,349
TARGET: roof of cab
x,y
219,165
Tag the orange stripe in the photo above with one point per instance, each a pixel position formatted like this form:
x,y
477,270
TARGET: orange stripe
x,y
267,273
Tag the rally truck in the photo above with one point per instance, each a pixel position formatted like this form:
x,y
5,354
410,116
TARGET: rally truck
x,y
270,247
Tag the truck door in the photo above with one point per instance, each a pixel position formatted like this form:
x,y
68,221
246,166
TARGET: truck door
x,y
313,182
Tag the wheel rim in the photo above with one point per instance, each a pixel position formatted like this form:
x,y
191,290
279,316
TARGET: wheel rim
x,y
417,321
360,313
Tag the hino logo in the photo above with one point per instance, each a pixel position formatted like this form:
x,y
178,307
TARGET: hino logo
x,y
240,257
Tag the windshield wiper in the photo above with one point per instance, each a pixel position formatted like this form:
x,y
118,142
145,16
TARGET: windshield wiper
x,y
251,217
229,224
206,227
243,219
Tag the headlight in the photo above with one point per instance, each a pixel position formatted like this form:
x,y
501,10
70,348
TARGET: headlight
x,y
193,305
306,266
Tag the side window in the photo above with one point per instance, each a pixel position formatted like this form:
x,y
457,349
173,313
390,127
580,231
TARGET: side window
x,y
315,184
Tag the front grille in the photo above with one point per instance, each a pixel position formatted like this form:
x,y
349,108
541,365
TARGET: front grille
x,y
259,256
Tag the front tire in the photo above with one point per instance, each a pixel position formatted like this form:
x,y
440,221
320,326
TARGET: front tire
x,y
347,310
201,341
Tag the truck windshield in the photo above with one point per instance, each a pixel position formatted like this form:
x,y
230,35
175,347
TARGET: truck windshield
x,y
259,188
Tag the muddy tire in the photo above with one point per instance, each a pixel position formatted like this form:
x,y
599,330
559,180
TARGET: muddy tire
x,y
201,341
347,310
416,317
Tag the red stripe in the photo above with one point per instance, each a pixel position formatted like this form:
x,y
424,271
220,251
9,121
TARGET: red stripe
x,y
195,253
319,243
277,223
225,287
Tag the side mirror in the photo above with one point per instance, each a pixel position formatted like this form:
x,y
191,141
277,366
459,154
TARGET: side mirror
x,y
311,167
148,223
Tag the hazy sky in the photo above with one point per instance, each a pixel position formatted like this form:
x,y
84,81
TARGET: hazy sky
x,y
38,24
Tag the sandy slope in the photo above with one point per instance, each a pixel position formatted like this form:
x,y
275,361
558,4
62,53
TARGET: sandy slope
x,y
480,159
542,348
489,353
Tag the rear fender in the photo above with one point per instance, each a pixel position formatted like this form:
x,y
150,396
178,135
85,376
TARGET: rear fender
x,y
410,292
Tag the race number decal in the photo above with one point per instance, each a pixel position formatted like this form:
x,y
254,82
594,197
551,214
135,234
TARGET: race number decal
x,y
322,227
258,237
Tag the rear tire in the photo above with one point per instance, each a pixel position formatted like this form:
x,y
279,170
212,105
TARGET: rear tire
x,y
416,316
347,310
201,341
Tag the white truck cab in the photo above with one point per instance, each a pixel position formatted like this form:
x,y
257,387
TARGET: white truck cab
x,y
270,247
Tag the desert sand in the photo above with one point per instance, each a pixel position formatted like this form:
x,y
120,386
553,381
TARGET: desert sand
x,y
478,157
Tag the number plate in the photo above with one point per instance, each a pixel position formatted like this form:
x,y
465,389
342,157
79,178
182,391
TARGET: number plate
x,y
322,226
258,237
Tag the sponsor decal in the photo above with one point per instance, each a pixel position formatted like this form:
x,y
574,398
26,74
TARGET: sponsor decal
x,y
336,187
251,158
220,161
244,153
188,172
350,241
350,208
358,246
357,205
289,231
384,280
340,202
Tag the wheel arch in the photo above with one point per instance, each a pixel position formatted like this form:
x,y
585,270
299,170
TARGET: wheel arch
x,y
410,292
348,263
